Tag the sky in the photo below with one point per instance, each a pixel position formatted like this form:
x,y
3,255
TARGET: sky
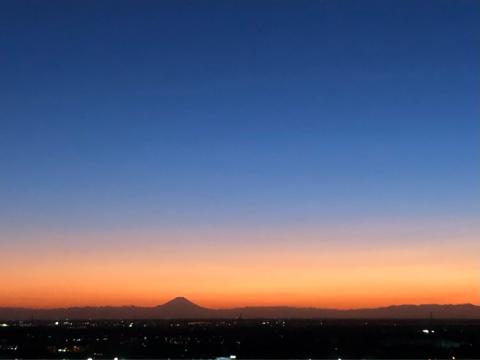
x,y
306,153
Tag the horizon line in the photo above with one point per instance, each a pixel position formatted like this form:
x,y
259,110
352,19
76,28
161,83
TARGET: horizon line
x,y
236,307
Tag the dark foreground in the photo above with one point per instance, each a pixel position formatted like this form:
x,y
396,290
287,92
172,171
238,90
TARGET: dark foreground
x,y
335,339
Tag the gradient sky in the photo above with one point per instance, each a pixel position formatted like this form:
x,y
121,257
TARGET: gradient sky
x,y
321,153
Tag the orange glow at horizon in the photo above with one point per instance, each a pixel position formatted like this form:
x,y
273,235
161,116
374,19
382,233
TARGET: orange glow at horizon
x,y
297,272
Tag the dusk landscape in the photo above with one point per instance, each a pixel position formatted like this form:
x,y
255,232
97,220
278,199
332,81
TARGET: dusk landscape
x,y
240,179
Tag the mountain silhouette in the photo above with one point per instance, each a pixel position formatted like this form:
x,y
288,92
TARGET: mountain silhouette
x,y
180,303
182,308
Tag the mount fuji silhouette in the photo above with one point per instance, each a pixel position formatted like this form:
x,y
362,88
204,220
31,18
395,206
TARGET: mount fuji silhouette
x,y
182,308
180,303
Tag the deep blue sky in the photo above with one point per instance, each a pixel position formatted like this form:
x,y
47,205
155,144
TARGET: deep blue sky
x,y
121,114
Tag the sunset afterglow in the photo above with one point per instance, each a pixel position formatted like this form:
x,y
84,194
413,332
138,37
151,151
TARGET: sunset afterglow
x,y
300,153
358,267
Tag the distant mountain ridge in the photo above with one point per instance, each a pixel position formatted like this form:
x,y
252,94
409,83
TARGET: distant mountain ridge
x,y
182,308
